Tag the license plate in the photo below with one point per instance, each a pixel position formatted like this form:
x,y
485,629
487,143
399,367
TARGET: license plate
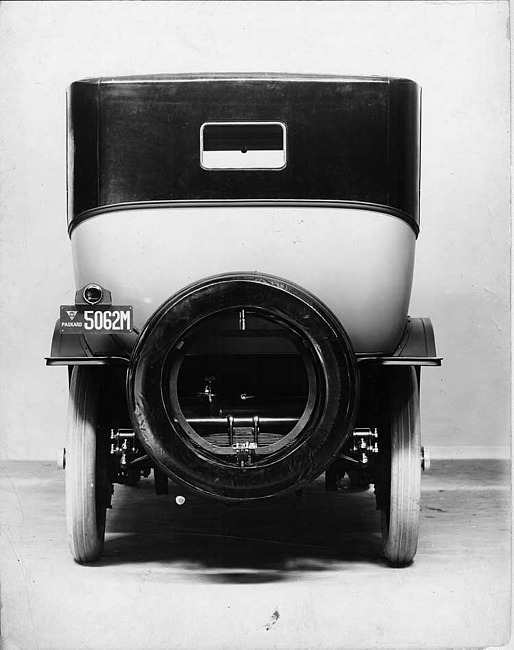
x,y
106,319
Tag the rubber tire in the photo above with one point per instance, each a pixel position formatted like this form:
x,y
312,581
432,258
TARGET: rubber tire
x,y
88,489
316,446
400,521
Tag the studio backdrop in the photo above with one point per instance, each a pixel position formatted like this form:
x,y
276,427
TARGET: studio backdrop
x,y
458,52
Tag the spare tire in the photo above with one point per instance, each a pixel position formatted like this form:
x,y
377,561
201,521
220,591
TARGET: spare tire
x,y
318,358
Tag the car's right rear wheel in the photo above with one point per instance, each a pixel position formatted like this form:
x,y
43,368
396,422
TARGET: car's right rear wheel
x,y
398,491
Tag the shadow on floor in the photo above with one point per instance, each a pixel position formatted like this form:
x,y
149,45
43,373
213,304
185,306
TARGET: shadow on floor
x,y
262,541
287,537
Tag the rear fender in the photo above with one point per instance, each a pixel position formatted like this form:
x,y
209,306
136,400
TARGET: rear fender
x,y
416,347
97,349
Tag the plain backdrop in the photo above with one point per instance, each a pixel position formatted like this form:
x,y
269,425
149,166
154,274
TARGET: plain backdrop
x,y
457,51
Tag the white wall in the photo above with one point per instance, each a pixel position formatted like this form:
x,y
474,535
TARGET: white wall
x,y
458,52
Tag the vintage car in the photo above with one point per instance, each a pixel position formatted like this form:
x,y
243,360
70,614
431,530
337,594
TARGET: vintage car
x,y
243,249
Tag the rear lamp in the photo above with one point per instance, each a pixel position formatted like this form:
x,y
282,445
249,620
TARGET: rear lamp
x,y
92,294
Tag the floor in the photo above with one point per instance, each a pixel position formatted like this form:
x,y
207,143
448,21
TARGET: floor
x,y
292,573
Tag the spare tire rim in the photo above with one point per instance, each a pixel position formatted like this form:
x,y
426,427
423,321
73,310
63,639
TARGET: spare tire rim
x,y
194,429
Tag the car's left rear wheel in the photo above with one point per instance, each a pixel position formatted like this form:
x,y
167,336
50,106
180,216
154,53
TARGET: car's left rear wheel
x,y
88,488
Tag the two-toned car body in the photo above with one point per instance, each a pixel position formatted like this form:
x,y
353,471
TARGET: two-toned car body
x,y
243,251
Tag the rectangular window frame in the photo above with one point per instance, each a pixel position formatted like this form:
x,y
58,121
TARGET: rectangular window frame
x,y
233,160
